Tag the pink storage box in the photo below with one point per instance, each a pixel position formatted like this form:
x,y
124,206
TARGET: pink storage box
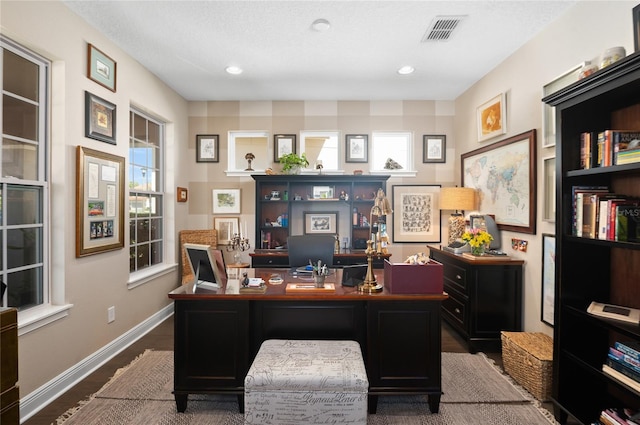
x,y
404,278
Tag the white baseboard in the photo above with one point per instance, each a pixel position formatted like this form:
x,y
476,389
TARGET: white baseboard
x,y
37,400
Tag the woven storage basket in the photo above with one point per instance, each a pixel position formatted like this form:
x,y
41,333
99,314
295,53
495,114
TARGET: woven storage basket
x,y
528,358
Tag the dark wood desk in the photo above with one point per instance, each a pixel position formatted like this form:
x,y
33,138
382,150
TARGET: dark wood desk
x,y
267,258
219,332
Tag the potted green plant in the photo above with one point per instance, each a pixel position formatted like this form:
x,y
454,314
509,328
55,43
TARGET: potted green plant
x,y
293,163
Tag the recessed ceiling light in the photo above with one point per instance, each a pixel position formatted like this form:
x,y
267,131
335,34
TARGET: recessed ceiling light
x,y
406,70
234,70
321,25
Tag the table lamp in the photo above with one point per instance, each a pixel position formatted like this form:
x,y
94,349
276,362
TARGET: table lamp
x,y
457,199
381,207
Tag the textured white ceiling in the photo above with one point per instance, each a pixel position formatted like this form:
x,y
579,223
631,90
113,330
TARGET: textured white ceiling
x,y
188,44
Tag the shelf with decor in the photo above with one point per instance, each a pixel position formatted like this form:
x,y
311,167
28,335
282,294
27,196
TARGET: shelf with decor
x,y
286,203
589,267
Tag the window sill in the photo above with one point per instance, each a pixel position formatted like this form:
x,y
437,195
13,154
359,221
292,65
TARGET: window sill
x,y
37,317
147,275
395,173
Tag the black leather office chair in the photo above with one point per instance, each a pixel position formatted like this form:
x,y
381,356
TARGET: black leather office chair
x,y
302,248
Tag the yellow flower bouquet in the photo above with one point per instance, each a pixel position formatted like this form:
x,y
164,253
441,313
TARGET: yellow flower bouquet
x,y
478,239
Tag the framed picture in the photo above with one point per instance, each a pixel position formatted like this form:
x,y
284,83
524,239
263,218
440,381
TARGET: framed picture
x,y
434,148
226,201
99,202
99,119
549,112
549,173
477,222
357,146
101,68
317,223
322,192
416,213
548,278
504,174
492,118
207,148
283,144
226,227
182,194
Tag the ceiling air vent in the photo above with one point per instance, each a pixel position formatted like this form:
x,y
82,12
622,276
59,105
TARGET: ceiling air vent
x,y
441,28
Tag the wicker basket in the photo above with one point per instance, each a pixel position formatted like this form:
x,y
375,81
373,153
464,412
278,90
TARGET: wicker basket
x,y
528,358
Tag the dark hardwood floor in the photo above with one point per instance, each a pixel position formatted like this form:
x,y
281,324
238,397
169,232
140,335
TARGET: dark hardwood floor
x,y
161,338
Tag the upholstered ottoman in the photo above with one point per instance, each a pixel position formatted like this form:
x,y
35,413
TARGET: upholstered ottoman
x,y
294,382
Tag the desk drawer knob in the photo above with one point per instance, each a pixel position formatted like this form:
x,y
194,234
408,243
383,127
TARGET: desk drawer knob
x,y
457,310
458,277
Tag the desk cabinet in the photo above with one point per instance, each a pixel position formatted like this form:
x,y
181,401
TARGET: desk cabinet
x,y
485,297
9,391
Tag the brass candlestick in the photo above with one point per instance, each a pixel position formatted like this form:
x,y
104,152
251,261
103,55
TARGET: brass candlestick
x,y
381,207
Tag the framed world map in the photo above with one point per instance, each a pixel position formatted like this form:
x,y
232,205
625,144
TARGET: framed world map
x,y
504,175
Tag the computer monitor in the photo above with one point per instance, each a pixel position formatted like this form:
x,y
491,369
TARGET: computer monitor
x,y
203,265
302,248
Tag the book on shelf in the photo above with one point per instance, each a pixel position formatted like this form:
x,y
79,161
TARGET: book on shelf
x,y
630,348
621,416
603,212
613,215
627,157
577,201
625,360
621,377
610,142
587,150
624,141
628,223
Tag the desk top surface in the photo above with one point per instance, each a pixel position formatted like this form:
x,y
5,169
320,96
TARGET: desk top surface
x,y
231,289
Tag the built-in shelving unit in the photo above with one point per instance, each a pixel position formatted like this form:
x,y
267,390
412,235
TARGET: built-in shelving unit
x,y
590,269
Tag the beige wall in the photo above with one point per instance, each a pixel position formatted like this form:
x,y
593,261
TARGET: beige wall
x,y
93,283
292,117
572,39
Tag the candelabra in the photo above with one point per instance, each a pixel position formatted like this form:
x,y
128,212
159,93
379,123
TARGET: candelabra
x,y
238,244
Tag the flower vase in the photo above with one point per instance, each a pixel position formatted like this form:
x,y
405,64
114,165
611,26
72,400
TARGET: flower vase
x,y
478,250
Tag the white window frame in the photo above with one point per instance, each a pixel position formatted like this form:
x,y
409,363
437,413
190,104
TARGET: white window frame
x,y
139,277
409,169
52,307
231,151
327,134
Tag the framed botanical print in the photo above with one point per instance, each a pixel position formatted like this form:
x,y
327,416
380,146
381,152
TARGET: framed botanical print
x,y
357,147
416,213
226,201
101,68
492,118
434,148
283,144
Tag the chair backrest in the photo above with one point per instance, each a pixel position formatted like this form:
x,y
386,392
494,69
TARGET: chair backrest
x,y
302,248
204,237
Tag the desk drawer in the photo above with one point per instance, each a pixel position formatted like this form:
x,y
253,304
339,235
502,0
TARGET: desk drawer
x,y
265,261
455,275
455,309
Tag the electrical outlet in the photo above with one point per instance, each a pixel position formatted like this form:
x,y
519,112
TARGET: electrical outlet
x,y
111,314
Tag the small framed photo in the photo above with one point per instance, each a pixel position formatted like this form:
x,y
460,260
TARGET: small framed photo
x,y
226,201
101,68
283,144
434,148
477,222
182,194
322,192
492,118
320,223
207,148
226,227
357,146
100,119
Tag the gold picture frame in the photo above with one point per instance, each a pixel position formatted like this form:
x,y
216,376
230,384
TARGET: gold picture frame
x,y
492,118
99,202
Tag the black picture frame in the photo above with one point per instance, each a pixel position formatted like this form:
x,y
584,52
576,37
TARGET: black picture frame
x,y
636,28
100,119
207,148
434,148
283,144
357,148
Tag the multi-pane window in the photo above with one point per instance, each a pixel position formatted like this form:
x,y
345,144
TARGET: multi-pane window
x,y
146,175
23,178
321,148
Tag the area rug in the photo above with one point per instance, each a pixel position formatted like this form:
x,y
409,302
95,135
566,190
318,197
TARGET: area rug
x,y
475,391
